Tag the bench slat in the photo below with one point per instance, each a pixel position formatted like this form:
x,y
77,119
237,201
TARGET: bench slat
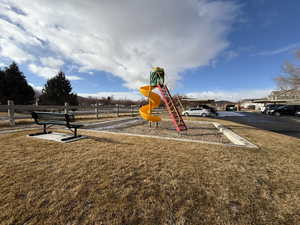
x,y
47,118
72,125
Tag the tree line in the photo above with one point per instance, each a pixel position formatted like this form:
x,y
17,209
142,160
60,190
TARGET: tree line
x,y
56,91
290,77
14,86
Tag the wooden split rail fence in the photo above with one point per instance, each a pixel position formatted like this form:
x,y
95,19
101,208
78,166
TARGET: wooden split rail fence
x,y
97,109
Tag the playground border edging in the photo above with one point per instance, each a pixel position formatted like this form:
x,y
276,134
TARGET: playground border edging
x,y
167,138
237,141
233,137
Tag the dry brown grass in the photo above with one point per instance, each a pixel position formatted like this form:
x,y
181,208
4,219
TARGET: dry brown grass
x,y
3,113
5,123
19,122
128,180
108,116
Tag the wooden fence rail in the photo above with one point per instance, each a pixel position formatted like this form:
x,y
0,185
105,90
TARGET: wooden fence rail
x,y
96,109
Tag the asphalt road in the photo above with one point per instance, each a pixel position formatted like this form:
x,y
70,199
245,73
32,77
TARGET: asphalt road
x,y
288,125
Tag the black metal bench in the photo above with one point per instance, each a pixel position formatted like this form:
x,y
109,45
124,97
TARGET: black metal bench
x,y
49,119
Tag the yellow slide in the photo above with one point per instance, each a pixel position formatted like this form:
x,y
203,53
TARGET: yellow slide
x,y
154,102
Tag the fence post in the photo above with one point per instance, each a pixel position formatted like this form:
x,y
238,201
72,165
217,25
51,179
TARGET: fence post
x,y
117,105
66,108
11,112
37,102
97,110
131,109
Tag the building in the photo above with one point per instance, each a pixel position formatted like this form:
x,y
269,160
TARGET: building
x,y
254,104
221,105
289,96
194,102
280,97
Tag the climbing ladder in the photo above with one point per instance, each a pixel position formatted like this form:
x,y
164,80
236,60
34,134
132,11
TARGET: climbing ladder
x,y
172,109
178,104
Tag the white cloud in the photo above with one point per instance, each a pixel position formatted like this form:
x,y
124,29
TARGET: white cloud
x,y
280,50
38,88
11,50
2,65
13,33
231,95
49,68
73,78
217,95
13,39
127,38
51,62
42,71
48,72
116,95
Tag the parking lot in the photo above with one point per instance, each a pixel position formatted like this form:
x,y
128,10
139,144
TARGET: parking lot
x,y
288,125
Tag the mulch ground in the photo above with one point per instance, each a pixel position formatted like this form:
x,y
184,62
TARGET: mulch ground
x,y
196,131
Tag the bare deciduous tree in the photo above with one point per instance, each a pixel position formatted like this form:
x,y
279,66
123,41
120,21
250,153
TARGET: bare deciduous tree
x,y
290,79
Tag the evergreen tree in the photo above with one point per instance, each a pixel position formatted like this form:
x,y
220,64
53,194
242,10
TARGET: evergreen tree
x,y
57,91
15,86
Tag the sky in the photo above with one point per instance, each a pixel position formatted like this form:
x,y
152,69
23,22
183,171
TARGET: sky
x,y
216,49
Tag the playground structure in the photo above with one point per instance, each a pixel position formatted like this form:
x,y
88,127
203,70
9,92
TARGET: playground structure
x,y
157,81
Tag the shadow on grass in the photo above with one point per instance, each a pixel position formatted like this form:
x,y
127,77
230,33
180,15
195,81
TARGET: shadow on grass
x,y
242,127
107,140
101,117
201,128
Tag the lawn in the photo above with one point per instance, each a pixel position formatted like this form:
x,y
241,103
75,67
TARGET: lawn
x,y
115,179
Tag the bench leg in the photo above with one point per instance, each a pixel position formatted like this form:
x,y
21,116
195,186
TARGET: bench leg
x,y
44,131
74,136
70,138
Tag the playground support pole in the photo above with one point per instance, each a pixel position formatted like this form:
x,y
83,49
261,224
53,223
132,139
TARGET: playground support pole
x,y
150,111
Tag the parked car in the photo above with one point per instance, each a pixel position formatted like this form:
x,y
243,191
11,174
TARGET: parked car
x,y
263,109
285,110
203,110
270,107
212,109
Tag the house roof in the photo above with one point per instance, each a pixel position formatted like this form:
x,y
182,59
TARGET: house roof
x,y
197,100
282,92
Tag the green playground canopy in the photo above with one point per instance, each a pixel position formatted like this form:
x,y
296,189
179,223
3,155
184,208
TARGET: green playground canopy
x,y
157,76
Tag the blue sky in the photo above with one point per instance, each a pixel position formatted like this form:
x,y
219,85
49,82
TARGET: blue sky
x,y
210,49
